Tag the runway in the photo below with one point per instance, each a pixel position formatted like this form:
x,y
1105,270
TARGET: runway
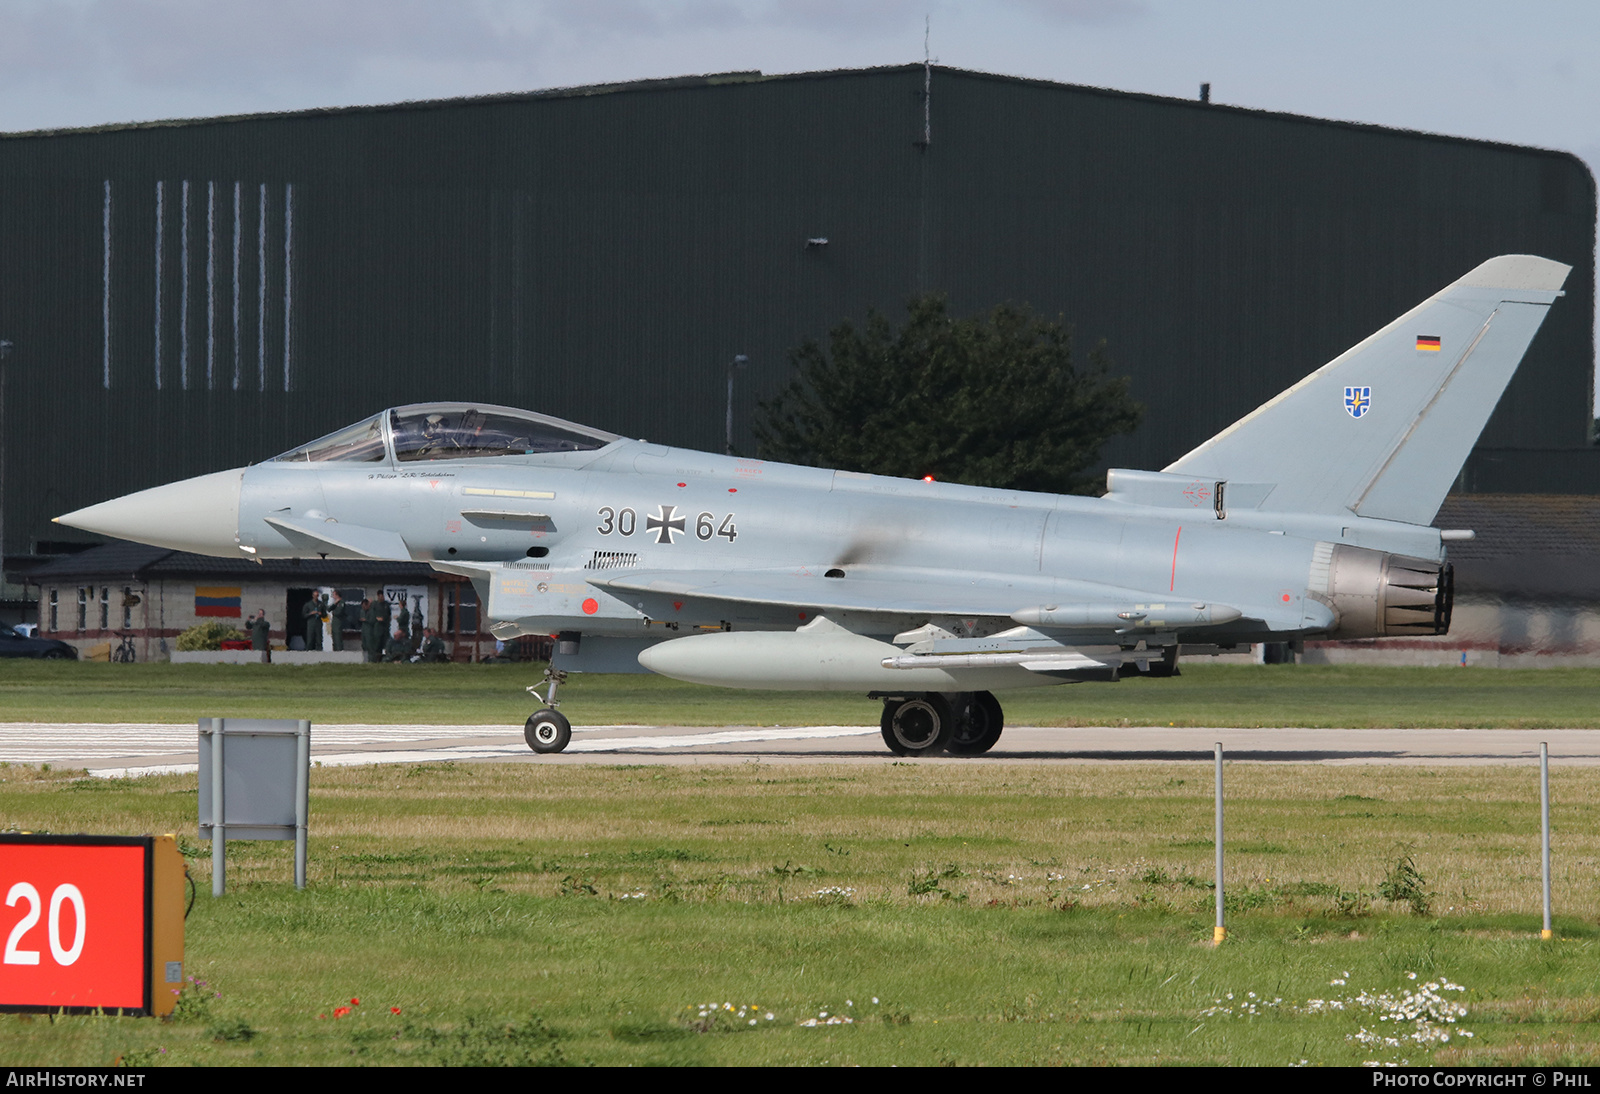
x,y
139,748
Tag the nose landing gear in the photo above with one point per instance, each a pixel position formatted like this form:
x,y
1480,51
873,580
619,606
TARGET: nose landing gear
x,y
547,729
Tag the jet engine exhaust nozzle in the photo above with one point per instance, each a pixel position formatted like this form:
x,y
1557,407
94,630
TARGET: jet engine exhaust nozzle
x,y
1374,594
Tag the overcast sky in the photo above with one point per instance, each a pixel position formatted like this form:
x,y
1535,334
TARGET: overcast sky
x,y
1528,73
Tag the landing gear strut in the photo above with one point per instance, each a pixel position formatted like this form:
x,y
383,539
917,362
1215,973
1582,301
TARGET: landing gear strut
x,y
547,729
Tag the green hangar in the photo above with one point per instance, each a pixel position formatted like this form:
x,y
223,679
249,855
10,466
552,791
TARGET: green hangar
x,y
191,295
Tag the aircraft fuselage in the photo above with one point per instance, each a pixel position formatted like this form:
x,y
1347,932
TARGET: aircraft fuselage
x,y
538,531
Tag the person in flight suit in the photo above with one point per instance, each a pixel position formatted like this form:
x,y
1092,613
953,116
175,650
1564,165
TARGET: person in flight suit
x,y
398,649
382,620
402,624
337,620
369,635
312,613
432,646
259,630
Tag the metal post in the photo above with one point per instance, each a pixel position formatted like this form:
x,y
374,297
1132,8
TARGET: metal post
x,y
5,351
219,836
739,361
1219,932
302,765
1544,826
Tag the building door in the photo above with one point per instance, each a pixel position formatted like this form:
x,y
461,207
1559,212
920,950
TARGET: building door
x,y
294,623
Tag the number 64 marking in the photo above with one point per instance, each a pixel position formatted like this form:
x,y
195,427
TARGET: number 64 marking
x,y
63,893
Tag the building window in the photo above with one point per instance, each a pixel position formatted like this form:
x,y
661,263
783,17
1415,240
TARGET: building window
x,y
127,607
105,607
85,594
461,609
54,599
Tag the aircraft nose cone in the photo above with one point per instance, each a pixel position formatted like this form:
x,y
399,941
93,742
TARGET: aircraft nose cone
x,y
199,515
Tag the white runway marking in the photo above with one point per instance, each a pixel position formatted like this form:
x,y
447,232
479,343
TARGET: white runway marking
x,y
122,739
86,745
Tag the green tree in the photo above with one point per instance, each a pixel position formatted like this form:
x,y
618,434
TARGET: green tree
x,y
991,400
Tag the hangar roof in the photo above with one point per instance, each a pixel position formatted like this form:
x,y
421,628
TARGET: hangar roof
x,y
751,76
1513,525
1533,546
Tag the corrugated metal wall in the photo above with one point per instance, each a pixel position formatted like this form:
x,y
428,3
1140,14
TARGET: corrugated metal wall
x,y
194,296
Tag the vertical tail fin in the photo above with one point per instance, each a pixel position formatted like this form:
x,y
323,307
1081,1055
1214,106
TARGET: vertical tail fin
x,y
1383,429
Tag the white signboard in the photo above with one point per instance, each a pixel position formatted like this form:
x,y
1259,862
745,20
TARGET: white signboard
x,y
415,599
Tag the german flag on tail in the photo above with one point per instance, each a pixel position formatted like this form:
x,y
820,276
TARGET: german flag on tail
x,y
1428,343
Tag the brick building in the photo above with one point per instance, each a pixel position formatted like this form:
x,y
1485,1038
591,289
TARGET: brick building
x,y
92,598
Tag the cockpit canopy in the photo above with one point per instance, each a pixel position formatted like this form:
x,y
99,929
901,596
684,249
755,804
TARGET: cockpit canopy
x,y
359,443
449,431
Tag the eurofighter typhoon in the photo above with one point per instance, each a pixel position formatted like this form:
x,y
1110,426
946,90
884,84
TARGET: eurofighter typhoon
x,y
1308,518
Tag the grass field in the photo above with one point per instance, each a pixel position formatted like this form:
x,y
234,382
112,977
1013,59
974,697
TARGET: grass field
x,y
955,914
1205,695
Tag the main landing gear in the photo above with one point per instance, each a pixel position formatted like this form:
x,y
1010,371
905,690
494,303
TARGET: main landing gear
x,y
547,729
964,724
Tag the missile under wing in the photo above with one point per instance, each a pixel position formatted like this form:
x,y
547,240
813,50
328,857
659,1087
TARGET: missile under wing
x,y
1306,518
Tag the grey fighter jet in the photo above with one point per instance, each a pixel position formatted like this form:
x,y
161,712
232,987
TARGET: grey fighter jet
x,y
1307,518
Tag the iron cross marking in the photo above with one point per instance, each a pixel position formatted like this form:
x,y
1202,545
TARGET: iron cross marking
x,y
663,524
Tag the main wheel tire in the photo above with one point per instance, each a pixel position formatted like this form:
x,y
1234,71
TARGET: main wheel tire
x,y
978,727
918,726
547,731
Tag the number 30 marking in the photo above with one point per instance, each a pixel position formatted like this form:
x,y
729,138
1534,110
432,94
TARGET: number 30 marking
x,y
63,893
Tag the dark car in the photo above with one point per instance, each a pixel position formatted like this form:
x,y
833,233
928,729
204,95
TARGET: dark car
x,y
13,644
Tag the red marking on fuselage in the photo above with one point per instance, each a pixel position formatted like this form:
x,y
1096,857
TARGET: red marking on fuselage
x,y
1173,584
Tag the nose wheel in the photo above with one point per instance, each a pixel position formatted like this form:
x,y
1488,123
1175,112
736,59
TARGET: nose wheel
x,y
547,729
